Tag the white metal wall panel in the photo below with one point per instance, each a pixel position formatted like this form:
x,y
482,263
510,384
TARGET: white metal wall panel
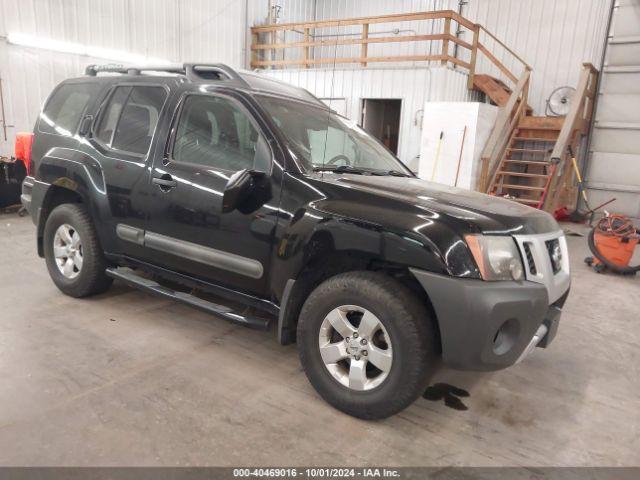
x,y
413,86
554,37
176,30
613,170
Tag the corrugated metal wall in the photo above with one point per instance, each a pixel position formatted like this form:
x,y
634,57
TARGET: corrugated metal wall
x,y
554,37
176,30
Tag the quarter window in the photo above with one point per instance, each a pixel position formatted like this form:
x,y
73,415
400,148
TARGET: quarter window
x,y
130,118
216,132
66,107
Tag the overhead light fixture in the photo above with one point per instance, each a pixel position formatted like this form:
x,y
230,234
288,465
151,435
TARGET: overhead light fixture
x,y
50,44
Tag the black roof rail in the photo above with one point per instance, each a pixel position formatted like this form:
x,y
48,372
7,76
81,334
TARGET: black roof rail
x,y
193,71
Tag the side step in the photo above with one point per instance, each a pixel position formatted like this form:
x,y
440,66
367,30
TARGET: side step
x,y
131,278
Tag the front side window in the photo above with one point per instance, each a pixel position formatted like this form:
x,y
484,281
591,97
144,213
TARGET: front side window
x,y
321,139
216,132
66,107
130,118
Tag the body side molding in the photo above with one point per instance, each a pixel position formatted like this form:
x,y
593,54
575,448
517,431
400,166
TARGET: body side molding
x,y
192,251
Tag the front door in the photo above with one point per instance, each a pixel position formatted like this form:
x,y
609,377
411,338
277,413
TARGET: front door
x,y
212,137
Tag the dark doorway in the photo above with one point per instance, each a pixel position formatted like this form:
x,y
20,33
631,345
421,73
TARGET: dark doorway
x,y
381,118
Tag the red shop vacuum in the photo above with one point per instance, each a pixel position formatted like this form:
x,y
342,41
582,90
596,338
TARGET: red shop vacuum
x,y
612,242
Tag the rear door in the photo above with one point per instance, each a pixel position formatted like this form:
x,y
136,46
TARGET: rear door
x,y
122,141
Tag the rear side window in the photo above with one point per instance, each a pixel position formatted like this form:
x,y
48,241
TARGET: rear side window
x,y
65,108
130,118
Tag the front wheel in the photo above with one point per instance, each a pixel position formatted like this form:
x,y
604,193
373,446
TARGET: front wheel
x,y
73,254
367,344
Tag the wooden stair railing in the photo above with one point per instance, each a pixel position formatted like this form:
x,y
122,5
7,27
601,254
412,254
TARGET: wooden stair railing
x,y
445,47
534,168
562,188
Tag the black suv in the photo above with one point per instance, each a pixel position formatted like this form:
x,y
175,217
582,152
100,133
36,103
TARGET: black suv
x,y
250,199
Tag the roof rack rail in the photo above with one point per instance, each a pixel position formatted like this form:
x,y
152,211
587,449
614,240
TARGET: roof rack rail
x,y
193,71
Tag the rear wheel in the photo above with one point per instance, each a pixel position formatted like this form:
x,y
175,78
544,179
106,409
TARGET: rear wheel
x,y
367,344
73,254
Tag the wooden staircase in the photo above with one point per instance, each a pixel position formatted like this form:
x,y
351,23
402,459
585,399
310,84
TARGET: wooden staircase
x,y
526,157
495,89
524,172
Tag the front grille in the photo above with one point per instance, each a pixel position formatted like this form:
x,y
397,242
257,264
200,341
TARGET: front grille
x,y
530,261
555,254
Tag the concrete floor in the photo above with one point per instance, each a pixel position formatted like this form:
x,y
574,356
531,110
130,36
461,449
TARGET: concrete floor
x,y
129,379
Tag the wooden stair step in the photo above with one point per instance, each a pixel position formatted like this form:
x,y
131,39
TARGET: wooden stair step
x,y
539,163
522,174
521,187
541,123
528,150
535,139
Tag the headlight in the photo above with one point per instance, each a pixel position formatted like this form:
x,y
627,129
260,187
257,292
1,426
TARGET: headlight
x,y
497,257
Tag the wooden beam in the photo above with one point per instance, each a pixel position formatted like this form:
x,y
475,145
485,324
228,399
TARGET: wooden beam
x,y
365,46
567,136
358,41
497,63
319,61
306,49
399,17
474,56
445,42
524,64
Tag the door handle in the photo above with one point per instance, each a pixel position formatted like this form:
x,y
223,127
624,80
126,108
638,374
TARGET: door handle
x,y
165,182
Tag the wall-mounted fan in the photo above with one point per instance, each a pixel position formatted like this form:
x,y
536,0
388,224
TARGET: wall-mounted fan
x,y
559,101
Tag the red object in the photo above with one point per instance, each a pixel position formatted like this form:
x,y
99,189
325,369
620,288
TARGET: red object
x,y
24,141
561,214
616,238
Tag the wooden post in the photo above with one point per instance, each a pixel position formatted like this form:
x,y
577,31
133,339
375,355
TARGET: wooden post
x,y
365,46
255,56
445,41
306,48
474,56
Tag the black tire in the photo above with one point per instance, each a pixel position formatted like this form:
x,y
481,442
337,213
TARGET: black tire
x,y
91,278
411,330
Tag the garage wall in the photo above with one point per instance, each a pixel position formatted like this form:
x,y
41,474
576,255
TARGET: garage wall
x,y
214,30
414,86
554,37
176,30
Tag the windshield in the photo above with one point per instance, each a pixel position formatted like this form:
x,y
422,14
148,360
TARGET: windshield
x,y
323,140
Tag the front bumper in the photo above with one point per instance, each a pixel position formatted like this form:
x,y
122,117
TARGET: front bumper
x,y
490,325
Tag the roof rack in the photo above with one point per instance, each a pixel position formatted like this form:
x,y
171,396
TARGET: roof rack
x,y
193,71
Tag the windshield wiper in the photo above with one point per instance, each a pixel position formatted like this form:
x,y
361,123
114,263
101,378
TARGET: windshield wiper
x,y
361,171
392,173
342,169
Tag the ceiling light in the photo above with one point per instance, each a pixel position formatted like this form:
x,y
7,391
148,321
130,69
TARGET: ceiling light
x,y
42,43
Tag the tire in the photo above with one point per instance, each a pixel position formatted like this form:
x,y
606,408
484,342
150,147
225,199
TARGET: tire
x,y
405,324
90,278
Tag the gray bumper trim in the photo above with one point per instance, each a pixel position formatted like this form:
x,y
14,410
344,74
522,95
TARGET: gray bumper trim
x,y
470,313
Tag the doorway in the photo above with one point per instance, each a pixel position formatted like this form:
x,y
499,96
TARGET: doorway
x,y
381,118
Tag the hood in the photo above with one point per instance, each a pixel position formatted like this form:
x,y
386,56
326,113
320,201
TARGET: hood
x,y
489,214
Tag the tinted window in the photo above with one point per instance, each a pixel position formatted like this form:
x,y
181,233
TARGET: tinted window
x,y
130,118
66,107
216,132
110,116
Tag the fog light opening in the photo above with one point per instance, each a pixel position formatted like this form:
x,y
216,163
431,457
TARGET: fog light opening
x,y
506,337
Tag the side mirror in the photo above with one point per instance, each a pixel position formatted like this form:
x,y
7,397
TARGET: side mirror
x,y
242,187
85,125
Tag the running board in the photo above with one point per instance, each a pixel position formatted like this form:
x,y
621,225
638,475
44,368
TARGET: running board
x,y
131,278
